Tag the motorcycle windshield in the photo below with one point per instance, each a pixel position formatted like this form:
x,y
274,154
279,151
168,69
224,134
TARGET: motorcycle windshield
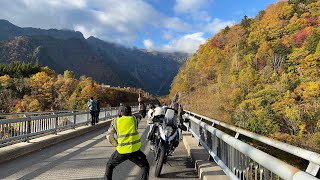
x,y
171,122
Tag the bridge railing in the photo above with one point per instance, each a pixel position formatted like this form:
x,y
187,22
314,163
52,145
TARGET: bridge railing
x,y
242,161
42,113
38,124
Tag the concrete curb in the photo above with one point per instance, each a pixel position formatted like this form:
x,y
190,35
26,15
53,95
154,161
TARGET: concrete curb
x,y
206,169
16,150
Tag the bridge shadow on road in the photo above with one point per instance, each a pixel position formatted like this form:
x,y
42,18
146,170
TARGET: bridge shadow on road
x,y
85,157
63,159
52,156
181,163
179,166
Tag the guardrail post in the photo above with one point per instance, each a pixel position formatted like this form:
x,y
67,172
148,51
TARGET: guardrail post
x,y
237,135
313,168
87,117
28,127
56,124
74,119
1,131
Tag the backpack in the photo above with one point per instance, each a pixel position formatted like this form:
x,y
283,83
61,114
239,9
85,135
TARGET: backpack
x,y
94,106
98,105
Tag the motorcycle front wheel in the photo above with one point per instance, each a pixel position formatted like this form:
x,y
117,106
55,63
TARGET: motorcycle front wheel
x,y
160,160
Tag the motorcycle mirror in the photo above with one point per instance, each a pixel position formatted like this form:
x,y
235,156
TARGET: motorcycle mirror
x,y
187,120
183,127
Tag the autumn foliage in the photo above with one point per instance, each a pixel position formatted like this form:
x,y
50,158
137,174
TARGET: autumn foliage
x,y
46,90
262,74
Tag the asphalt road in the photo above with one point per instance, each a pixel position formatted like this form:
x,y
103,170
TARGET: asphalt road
x,y
85,157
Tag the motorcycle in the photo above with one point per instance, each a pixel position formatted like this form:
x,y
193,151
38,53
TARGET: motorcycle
x,y
165,138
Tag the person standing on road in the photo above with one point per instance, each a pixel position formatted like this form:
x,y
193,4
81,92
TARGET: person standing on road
x,y
143,110
98,111
92,107
128,143
142,107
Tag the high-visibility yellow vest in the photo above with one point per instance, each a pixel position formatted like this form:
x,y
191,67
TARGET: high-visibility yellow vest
x,y
128,135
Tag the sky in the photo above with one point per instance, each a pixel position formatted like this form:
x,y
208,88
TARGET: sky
x,y
162,25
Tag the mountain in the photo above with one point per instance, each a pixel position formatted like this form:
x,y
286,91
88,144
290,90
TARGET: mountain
x,y
10,31
72,54
106,62
262,74
154,71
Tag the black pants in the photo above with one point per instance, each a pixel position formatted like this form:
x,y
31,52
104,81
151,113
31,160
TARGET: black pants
x,y
97,116
93,117
139,158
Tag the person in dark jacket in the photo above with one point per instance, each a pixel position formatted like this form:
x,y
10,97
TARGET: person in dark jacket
x,y
93,108
97,111
143,109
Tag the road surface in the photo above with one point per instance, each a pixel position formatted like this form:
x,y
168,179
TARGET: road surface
x,y
85,157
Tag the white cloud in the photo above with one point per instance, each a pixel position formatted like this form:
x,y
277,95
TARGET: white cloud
x,y
175,23
148,44
195,9
188,43
86,32
184,6
167,35
111,20
62,3
217,24
117,21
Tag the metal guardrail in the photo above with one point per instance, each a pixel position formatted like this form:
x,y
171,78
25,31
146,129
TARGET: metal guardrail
x,y
242,161
42,113
34,125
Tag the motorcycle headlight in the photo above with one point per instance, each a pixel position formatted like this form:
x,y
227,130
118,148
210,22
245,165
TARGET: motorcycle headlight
x,y
168,131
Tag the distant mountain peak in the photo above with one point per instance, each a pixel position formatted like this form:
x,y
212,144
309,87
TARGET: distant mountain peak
x,y
6,24
92,38
4,21
9,31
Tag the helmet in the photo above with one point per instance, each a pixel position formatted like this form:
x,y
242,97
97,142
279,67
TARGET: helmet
x,y
158,111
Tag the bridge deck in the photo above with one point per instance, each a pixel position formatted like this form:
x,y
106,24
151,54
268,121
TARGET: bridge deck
x,y
85,158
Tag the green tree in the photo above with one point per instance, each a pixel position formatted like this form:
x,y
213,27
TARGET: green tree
x,y
245,22
312,41
68,74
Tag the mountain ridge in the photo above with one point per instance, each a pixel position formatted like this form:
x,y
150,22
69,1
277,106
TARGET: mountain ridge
x,y
104,61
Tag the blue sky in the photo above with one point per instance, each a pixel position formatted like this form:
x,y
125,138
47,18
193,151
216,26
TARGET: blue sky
x,y
164,25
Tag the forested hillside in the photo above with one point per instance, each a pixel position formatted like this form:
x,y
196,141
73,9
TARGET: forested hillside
x,y
262,74
29,87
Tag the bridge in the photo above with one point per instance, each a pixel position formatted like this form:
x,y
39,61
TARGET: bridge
x,y
62,145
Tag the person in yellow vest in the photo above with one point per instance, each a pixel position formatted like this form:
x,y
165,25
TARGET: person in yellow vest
x,y
128,143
